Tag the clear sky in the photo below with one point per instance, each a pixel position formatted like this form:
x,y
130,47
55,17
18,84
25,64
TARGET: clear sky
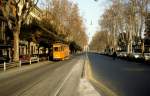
x,y
91,11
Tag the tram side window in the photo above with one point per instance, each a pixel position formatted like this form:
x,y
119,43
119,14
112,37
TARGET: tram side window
x,y
56,49
62,48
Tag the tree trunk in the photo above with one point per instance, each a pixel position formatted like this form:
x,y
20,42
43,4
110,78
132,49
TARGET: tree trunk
x,y
16,46
142,45
129,48
16,33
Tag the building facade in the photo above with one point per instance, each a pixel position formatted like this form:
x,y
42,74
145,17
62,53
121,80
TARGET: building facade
x,y
5,33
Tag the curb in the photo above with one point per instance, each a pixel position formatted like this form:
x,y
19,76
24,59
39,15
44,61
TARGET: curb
x,y
85,87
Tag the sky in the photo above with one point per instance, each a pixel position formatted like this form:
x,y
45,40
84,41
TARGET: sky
x,y
91,11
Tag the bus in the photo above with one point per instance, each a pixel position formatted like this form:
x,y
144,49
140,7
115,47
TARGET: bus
x,y
60,51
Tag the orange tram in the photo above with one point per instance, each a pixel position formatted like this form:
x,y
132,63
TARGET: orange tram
x,y
60,51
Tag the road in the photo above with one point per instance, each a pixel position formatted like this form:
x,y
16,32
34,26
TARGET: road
x,y
121,77
44,80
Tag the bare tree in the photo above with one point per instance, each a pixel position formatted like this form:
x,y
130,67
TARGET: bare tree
x,y
99,41
123,21
66,21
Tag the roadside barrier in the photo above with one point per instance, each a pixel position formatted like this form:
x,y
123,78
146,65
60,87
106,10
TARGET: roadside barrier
x,y
6,66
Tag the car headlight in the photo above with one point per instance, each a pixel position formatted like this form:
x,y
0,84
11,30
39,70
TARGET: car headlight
x,y
136,56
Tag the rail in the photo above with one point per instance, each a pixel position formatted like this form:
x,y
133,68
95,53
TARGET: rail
x,y
6,66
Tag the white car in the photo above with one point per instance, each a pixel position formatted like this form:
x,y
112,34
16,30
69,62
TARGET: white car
x,y
136,55
122,54
147,56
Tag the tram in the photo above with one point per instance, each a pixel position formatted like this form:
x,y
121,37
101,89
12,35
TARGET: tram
x,y
60,51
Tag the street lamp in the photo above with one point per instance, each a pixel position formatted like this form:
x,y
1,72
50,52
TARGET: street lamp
x,y
95,0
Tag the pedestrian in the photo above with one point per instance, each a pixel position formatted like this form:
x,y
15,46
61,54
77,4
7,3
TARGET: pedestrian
x,y
114,55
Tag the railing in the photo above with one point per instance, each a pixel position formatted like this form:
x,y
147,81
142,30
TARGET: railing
x,y
6,66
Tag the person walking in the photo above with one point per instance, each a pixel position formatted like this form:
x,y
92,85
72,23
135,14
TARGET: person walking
x,y
114,55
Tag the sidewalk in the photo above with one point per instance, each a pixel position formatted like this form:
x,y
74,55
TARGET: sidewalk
x,y
18,70
87,89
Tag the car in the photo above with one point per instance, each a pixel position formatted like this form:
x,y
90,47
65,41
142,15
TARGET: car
x,y
147,56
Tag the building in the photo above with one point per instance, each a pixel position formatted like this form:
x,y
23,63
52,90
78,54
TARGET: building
x,y
5,33
30,47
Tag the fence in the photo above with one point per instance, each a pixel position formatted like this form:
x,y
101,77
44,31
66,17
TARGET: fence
x,y
4,66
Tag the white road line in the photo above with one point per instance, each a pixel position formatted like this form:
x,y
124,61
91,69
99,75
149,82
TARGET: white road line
x,y
65,80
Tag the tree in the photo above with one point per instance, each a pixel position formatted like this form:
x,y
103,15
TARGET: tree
x,y
147,30
112,23
123,22
20,10
77,33
62,17
99,41
74,47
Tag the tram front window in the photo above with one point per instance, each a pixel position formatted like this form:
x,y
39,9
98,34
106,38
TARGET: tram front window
x,y
56,49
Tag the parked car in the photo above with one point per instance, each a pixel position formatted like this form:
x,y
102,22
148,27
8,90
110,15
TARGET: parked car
x,y
28,58
147,56
137,55
122,54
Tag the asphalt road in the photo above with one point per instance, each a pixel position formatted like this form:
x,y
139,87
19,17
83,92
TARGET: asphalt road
x,y
44,80
121,77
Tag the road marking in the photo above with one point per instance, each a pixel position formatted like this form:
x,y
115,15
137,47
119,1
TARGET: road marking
x,y
67,77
